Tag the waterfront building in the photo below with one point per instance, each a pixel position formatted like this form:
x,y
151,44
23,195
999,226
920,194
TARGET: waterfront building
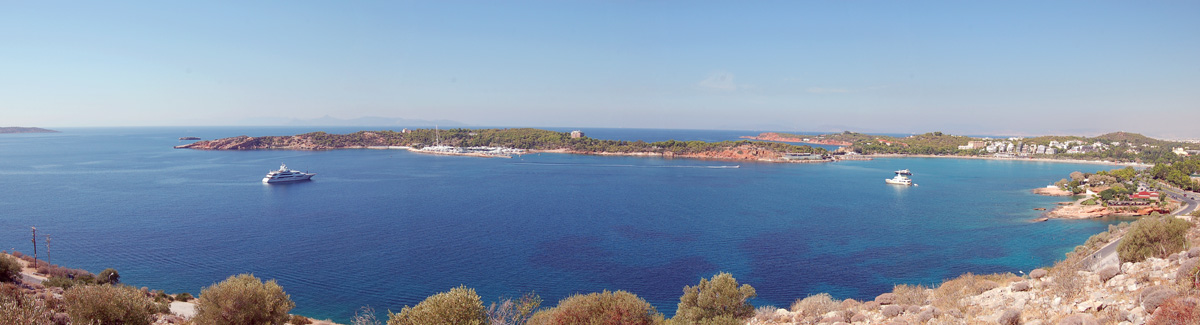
x,y
576,134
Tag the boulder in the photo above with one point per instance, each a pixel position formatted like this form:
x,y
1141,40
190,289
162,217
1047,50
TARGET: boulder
x,y
1194,252
1020,286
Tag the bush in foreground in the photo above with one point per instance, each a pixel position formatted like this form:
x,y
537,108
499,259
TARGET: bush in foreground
x,y
718,299
10,269
1154,236
605,307
105,304
19,308
243,299
458,306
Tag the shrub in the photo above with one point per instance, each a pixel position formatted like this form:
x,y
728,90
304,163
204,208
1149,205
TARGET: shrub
x,y
243,299
720,297
108,276
1108,273
910,294
892,311
815,305
1010,317
514,311
1153,237
365,316
1151,297
24,309
60,282
950,293
605,307
105,304
1176,311
183,296
10,269
458,306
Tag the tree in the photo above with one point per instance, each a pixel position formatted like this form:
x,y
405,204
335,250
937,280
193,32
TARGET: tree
x,y
10,269
243,299
606,307
717,299
1077,176
1153,236
458,306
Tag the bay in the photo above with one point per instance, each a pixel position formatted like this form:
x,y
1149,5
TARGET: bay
x,y
386,228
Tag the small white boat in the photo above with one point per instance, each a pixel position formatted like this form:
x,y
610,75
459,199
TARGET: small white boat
x,y
286,175
900,179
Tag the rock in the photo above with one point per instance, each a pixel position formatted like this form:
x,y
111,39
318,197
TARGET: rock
x,y
892,311
1194,252
1079,319
1009,317
1151,297
858,318
955,313
1108,273
1173,257
1038,273
831,319
1020,286
886,298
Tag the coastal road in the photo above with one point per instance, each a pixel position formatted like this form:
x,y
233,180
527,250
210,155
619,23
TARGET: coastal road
x,y
1103,257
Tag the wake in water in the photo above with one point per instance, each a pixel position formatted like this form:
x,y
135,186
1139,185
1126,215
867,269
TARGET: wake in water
x,y
627,166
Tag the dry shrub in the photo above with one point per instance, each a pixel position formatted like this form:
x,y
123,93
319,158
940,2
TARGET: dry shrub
x,y
1152,297
1177,311
514,311
365,316
606,307
910,294
106,304
1010,317
815,305
24,309
1066,282
299,320
765,313
849,304
892,311
1108,273
950,294
1187,275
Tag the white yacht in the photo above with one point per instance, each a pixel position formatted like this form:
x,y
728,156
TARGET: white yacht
x,y
286,175
900,178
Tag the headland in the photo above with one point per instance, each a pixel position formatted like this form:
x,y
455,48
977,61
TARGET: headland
x,y
17,129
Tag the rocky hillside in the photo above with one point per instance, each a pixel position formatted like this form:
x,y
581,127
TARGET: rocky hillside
x,y
1153,291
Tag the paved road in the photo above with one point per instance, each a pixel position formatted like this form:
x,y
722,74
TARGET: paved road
x,y
1106,256
1185,196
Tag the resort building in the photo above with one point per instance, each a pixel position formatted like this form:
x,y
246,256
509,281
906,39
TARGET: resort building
x,y
576,134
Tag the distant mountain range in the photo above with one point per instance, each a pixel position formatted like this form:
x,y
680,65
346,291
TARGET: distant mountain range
x,y
361,121
17,129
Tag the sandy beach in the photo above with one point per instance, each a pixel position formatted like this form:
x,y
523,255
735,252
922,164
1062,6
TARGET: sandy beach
x,y
1053,160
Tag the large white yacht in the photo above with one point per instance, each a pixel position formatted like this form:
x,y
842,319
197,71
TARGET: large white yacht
x,y
900,178
286,175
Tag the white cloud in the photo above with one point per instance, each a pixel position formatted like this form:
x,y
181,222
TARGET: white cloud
x,y
719,81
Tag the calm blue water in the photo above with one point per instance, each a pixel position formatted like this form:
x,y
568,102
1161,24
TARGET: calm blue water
x,y
387,228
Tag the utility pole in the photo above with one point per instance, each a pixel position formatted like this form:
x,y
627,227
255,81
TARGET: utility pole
x,y
34,247
48,250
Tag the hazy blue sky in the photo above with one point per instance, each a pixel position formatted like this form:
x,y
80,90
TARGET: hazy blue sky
x,y
1040,67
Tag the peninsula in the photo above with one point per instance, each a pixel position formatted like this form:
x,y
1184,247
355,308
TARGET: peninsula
x,y
18,129
1116,147
533,140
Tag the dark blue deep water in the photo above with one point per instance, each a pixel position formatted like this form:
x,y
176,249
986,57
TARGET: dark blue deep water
x,y
387,228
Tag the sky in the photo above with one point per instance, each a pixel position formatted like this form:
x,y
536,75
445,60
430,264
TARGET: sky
x,y
965,67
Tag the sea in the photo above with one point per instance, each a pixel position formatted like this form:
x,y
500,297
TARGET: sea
x,y
387,228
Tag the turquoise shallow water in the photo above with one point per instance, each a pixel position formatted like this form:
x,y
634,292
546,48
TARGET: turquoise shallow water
x,y
387,228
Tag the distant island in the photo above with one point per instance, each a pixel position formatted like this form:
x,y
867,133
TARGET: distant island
x,y
535,140
17,129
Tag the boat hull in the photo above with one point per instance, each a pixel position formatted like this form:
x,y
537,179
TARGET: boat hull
x,y
896,182
269,180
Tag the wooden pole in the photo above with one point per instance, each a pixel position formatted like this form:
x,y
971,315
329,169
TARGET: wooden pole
x,y
47,249
34,247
